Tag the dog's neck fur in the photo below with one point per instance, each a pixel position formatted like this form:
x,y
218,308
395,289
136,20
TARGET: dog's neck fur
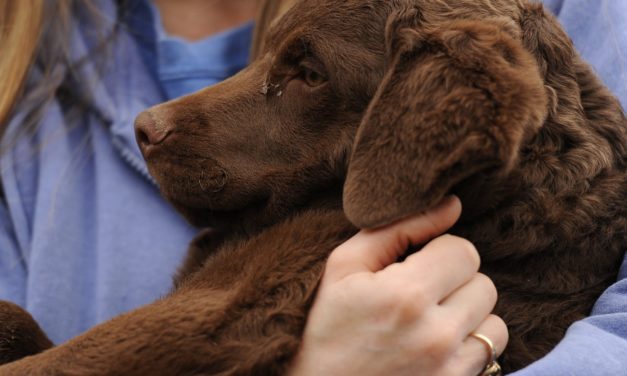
x,y
326,198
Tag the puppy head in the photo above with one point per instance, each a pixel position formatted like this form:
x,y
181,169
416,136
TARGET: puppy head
x,y
278,134
403,99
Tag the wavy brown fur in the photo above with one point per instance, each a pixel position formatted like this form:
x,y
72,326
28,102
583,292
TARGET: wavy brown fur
x,y
484,98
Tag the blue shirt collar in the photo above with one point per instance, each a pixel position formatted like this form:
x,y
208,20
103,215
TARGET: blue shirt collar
x,y
182,67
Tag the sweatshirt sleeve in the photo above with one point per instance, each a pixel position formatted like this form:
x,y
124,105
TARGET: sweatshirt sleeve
x,y
598,28
596,345
553,5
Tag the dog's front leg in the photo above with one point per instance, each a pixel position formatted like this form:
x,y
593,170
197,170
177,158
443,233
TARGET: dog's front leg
x,y
243,313
158,339
20,335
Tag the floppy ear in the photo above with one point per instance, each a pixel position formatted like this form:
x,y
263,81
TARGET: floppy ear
x,y
457,99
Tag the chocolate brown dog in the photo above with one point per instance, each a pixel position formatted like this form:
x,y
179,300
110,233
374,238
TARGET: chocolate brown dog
x,y
381,108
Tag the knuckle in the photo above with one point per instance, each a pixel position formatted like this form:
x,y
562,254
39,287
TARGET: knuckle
x,y
338,258
489,287
407,306
420,297
458,247
468,251
445,340
352,290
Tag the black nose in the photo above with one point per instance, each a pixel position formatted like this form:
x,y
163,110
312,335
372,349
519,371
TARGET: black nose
x,y
148,131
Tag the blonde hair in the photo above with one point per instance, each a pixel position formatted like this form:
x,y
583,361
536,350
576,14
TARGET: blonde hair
x,y
36,32
26,26
20,30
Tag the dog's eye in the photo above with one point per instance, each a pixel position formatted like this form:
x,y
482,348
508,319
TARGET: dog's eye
x,y
312,78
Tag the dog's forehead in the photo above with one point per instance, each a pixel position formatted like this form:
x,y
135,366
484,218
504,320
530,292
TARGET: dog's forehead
x,y
329,25
326,16
350,17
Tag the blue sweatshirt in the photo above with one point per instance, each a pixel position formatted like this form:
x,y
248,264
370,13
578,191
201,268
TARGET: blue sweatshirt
x,y
84,234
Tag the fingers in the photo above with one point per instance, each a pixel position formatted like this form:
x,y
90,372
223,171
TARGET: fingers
x,y
474,354
470,304
495,329
373,250
442,266
426,305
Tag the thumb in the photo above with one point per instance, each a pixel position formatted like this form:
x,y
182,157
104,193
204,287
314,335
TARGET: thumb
x,y
372,250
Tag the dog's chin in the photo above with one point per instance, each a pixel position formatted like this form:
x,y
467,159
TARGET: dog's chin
x,y
212,218
235,219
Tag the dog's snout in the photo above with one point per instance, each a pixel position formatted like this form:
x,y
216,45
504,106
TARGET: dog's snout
x,y
148,131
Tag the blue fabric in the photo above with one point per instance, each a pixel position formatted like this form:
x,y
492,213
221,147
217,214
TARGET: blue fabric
x,y
184,67
84,234
599,30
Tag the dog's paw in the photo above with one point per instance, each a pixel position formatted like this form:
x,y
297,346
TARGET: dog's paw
x,y
20,335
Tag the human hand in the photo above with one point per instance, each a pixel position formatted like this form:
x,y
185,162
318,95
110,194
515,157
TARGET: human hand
x,y
375,316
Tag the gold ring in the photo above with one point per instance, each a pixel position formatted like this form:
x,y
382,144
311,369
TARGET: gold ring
x,y
492,367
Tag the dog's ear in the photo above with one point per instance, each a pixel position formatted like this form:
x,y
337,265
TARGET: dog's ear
x,y
458,98
555,55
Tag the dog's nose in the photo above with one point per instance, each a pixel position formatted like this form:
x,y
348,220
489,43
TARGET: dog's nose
x,y
148,131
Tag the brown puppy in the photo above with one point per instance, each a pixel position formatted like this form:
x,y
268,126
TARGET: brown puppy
x,y
388,105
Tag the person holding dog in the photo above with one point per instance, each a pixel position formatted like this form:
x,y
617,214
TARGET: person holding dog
x,y
86,236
